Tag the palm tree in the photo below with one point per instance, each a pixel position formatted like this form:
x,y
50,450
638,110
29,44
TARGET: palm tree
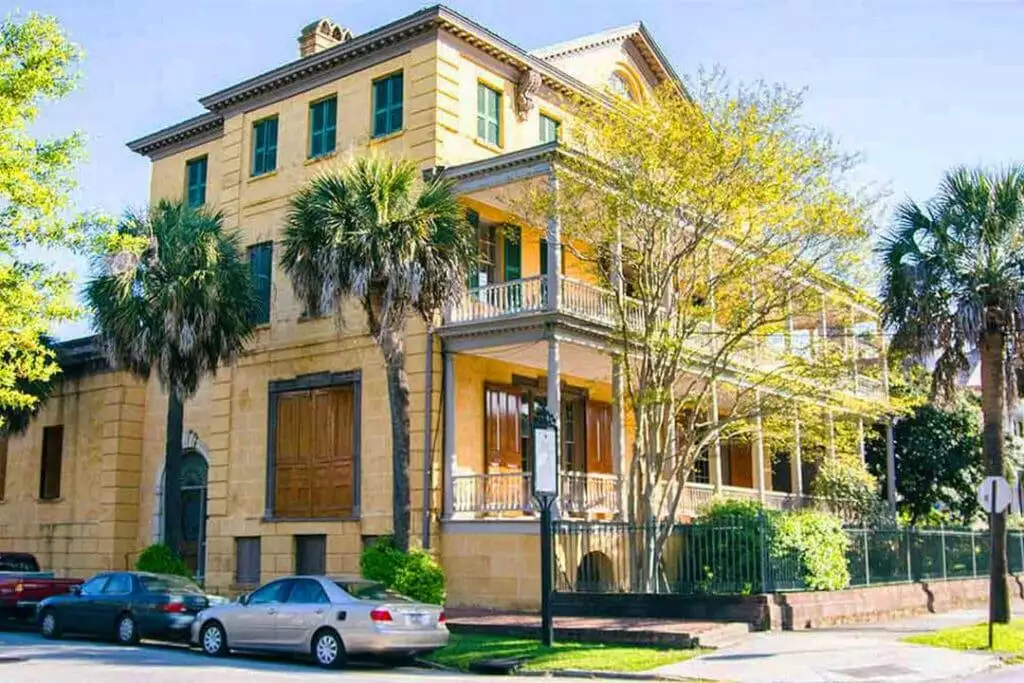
x,y
376,232
178,305
953,284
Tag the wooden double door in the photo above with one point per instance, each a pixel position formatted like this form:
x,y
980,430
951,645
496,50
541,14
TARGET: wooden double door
x,y
586,430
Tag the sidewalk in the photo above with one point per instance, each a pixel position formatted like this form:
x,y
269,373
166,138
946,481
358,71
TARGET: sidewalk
x,y
869,652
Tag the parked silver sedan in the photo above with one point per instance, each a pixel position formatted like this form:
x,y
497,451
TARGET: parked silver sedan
x,y
323,617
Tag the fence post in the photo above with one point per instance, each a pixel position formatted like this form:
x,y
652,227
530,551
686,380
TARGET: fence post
x,y
1020,539
974,557
867,560
910,569
764,554
942,537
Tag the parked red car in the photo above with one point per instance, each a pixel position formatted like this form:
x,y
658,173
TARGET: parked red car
x,y
23,585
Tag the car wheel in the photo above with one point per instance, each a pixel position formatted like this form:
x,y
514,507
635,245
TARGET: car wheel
x,y
127,630
213,640
49,625
328,650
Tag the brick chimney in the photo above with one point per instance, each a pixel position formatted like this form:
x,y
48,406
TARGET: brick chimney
x,y
321,35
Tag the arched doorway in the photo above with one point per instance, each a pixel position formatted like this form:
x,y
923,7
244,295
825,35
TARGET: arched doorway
x,y
193,511
595,573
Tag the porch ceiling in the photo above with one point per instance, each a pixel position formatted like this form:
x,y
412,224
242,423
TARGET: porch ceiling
x,y
577,361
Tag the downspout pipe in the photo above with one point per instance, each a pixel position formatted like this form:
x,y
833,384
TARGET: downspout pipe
x,y
428,451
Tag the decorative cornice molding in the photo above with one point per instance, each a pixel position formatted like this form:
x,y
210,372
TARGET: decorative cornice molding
x,y
179,132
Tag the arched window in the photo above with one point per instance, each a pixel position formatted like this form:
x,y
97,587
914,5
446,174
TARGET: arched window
x,y
621,86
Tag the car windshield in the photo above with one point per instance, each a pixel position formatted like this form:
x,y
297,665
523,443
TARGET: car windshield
x,y
169,584
369,590
18,563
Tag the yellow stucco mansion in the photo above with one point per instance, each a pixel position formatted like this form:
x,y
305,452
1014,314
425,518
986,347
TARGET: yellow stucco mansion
x,y
83,487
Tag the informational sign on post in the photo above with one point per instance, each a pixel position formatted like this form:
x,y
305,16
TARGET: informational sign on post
x,y
545,472
1017,497
994,495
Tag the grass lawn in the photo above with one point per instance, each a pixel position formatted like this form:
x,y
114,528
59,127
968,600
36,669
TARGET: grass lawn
x,y
464,649
1006,638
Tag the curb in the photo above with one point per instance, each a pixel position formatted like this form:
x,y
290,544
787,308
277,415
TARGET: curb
x,y
601,675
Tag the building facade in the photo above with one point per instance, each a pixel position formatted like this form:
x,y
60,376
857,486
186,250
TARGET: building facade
x,y
287,453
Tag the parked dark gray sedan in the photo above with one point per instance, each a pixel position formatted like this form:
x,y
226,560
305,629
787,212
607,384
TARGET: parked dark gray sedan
x,y
125,606
328,619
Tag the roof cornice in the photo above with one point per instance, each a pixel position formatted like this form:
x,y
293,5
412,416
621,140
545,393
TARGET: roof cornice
x,y
179,132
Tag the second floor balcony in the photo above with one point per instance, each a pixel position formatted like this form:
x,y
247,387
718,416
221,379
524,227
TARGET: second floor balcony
x,y
577,301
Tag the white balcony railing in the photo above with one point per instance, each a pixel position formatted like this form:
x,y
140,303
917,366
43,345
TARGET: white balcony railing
x,y
696,497
583,492
507,492
502,300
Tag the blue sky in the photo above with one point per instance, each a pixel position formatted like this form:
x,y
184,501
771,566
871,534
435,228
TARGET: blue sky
x,y
916,86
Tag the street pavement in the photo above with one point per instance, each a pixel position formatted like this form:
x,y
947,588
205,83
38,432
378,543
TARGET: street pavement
x,y
27,658
870,652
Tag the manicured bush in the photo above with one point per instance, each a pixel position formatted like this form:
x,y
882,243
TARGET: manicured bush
x,y
160,559
734,538
415,574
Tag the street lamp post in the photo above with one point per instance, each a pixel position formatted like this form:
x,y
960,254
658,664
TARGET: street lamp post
x,y
545,490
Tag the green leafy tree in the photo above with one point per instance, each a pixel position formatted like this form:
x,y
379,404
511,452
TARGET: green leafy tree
x,y
938,461
37,65
375,232
171,295
952,283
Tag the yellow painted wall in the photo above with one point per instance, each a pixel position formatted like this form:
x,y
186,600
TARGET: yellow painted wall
x,y
495,571
92,525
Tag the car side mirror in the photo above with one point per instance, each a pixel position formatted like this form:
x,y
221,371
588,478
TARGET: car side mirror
x,y
243,599
75,590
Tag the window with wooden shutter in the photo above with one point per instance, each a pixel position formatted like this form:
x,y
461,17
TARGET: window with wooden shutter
x,y
488,114
387,105
502,436
261,261
247,561
3,467
315,452
311,555
323,123
599,437
195,181
264,146
51,462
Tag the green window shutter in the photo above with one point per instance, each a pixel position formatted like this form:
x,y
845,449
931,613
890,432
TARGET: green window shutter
x,y
548,129
323,121
387,105
261,258
264,150
513,253
473,218
488,114
195,174
543,256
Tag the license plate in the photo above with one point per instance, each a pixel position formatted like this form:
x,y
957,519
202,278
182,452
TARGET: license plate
x,y
419,619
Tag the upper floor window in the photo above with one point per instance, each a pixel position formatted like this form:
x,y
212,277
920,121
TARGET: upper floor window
x,y
51,462
548,128
195,181
264,146
323,124
488,114
261,258
621,87
387,105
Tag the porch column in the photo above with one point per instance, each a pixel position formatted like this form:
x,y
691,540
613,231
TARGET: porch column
x,y
860,439
554,400
716,447
796,461
554,254
618,434
823,346
831,434
890,465
449,434
759,452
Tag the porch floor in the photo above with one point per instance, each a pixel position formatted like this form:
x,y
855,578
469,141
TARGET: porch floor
x,y
679,633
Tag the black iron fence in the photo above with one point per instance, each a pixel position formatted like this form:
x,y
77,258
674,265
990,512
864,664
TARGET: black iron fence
x,y
738,557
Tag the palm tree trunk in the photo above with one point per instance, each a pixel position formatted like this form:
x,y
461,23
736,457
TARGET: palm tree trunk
x,y
398,395
172,474
992,403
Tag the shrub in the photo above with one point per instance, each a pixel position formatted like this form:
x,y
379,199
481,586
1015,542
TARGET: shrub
x,y
845,483
160,559
805,549
421,578
415,574
819,543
